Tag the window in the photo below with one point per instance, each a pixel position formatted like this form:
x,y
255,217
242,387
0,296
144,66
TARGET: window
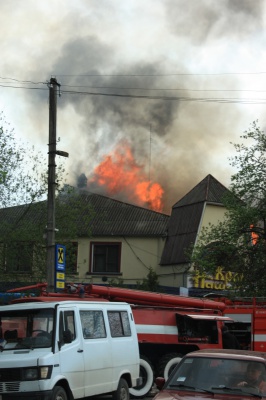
x,y
18,257
119,323
92,323
105,258
67,324
27,328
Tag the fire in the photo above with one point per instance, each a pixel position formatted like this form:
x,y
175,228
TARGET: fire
x,y
254,236
119,173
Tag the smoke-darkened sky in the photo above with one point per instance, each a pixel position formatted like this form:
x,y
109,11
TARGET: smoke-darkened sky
x,y
177,79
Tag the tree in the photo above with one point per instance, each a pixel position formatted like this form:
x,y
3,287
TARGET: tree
x,y
22,170
238,243
23,212
150,283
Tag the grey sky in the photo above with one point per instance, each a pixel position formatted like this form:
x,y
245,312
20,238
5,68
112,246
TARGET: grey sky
x,y
193,50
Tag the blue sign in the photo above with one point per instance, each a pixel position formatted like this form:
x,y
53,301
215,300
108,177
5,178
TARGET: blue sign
x,y
60,257
60,266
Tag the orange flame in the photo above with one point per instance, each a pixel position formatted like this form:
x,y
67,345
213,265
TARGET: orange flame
x,y
119,173
254,236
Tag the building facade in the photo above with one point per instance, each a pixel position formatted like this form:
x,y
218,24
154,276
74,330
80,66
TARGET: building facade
x,y
122,242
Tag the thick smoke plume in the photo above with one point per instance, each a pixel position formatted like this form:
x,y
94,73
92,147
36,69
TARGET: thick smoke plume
x,y
162,89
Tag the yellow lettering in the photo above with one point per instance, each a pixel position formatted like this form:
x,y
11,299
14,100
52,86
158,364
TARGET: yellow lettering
x,y
228,276
195,279
220,281
219,286
219,276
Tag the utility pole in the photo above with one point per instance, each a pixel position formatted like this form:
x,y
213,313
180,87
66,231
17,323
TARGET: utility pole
x,y
52,152
50,229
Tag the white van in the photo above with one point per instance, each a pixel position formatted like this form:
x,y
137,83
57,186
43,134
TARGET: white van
x,y
67,350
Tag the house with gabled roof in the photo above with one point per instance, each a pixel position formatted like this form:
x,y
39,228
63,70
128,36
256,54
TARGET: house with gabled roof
x,y
199,207
119,242
126,241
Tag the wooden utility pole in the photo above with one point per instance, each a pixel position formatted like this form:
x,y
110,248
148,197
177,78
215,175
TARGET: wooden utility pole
x,y
50,229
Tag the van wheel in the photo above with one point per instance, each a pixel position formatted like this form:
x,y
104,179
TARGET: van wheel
x,y
167,363
59,393
122,392
147,374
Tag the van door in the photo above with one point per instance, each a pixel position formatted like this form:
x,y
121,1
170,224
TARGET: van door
x,y
124,348
97,353
71,354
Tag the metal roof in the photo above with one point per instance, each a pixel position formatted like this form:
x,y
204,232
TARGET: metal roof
x,y
182,233
208,190
107,217
185,219
116,218
110,217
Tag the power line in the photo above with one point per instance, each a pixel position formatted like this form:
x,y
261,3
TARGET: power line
x,y
173,98
164,89
7,84
23,87
150,97
25,82
172,74
21,81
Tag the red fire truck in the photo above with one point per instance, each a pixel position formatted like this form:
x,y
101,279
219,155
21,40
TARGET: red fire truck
x,y
168,326
249,321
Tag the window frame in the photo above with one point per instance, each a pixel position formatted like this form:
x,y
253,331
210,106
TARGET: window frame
x,y
92,330
94,244
67,321
122,322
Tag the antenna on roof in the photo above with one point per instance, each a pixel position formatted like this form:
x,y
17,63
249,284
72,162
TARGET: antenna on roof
x,y
150,157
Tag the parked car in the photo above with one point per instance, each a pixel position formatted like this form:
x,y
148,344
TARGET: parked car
x,y
216,374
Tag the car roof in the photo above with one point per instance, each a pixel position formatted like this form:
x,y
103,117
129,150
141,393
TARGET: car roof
x,y
68,303
247,355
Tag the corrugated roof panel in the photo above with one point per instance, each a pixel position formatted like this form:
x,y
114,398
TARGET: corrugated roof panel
x,y
208,190
173,253
182,233
109,217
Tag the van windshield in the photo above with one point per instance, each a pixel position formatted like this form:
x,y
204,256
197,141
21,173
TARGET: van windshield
x,y
27,328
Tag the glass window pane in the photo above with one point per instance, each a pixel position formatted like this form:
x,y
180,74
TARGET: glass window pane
x,y
92,323
106,258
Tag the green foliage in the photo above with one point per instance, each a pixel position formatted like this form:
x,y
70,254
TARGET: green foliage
x,y
148,284
22,171
151,283
23,211
116,282
228,244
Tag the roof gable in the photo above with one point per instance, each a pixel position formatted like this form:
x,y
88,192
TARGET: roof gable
x,y
208,190
186,217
